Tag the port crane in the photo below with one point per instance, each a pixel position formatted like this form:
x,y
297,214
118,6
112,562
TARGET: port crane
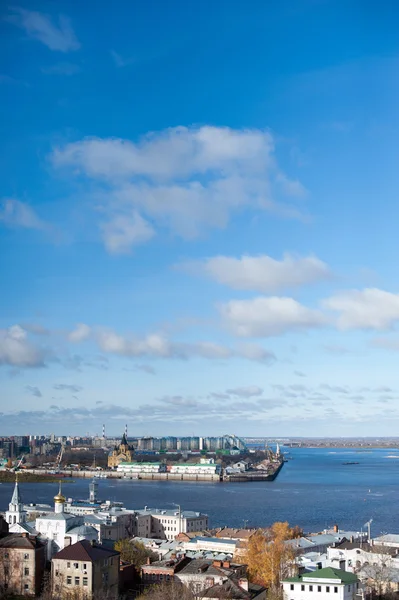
x,y
18,465
59,459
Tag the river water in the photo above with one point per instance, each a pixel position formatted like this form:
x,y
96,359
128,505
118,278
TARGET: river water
x,y
313,490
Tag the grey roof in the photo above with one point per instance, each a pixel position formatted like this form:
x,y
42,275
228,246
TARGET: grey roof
x,y
167,512
83,530
58,517
16,496
389,538
93,519
213,540
206,567
29,527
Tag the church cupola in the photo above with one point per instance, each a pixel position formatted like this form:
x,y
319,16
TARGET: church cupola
x,y
59,501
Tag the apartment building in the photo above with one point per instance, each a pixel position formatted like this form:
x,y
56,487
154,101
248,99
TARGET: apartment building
x,y
85,569
22,563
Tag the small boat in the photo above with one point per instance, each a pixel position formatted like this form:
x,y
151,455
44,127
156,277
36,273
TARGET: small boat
x,y
351,463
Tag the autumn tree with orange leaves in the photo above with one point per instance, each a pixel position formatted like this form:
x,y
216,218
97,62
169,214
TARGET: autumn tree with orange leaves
x,y
269,558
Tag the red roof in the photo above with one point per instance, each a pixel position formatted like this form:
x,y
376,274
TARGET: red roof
x,y
85,551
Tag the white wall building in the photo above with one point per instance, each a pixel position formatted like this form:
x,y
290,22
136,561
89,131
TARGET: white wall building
x,y
167,524
207,468
141,467
323,584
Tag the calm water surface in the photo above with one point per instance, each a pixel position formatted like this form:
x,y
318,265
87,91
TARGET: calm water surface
x,y
314,490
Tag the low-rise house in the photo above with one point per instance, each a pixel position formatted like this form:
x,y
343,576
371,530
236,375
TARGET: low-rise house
x,y
85,569
241,465
201,574
163,570
239,589
325,584
22,564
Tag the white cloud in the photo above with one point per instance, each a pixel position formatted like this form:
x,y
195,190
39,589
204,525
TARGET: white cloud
x,y
157,345
261,273
16,350
14,213
123,231
370,308
175,152
246,391
184,179
269,316
56,36
80,333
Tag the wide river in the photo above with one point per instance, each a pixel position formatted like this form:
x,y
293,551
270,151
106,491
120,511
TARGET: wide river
x,y
314,490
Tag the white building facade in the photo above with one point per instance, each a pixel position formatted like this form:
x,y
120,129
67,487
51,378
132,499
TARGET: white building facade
x,y
323,584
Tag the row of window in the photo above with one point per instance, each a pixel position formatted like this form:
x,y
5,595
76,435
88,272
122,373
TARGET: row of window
x,y
85,580
7,571
319,588
26,556
76,566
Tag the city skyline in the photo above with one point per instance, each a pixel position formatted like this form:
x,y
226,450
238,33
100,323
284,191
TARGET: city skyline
x,y
198,218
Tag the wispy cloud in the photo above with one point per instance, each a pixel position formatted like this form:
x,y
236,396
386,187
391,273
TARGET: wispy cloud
x,y
121,61
32,389
8,80
62,68
245,391
158,345
57,36
68,387
14,213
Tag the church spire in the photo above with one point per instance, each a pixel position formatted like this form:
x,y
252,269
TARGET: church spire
x,y
15,513
16,496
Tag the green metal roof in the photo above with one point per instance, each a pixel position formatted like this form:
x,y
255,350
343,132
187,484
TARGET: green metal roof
x,y
124,464
327,573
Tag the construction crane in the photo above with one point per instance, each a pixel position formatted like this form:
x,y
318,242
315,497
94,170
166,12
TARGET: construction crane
x,y
59,459
17,466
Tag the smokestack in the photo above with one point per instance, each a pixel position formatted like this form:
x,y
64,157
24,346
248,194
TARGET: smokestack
x,y
103,432
336,528
126,430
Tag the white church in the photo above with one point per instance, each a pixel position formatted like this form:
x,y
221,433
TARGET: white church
x,y
59,528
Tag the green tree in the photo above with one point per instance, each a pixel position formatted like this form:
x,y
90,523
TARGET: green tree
x,y
134,552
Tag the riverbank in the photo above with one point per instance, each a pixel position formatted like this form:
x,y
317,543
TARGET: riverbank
x,y
252,475
28,477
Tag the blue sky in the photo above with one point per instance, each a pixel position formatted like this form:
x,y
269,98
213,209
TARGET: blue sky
x,y
198,217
